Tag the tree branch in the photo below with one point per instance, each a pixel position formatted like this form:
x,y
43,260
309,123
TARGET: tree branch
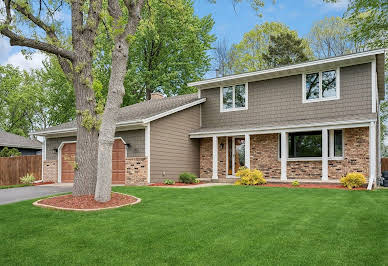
x,y
17,40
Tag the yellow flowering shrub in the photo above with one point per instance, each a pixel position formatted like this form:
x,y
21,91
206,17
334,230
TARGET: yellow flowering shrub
x,y
250,177
352,180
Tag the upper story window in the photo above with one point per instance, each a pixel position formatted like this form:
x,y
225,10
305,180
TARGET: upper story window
x,y
321,86
234,98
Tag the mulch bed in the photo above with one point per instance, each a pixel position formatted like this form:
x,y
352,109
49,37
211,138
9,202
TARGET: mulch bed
x,y
86,203
177,184
332,186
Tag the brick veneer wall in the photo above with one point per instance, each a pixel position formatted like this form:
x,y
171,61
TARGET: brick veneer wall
x,y
136,169
206,158
356,154
50,171
264,155
304,170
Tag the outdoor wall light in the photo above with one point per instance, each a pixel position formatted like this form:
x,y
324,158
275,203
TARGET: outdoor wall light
x,y
128,145
222,146
56,150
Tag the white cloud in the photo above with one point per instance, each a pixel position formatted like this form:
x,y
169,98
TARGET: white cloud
x,y
5,48
339,5
19,60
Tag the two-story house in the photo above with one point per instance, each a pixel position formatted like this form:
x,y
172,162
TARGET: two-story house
x,y
313,122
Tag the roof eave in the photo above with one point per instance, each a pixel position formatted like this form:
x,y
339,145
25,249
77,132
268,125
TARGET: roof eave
x,y
288,70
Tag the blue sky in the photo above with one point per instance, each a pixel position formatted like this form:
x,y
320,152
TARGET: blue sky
x,y
230,23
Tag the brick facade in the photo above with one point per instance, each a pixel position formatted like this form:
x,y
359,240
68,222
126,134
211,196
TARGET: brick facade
x,y
356,154
265,157
136,169
206,158
50,171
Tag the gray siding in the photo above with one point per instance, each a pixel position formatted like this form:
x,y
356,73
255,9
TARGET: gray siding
x,y
136,139
53,143
133,137
280,100
172,150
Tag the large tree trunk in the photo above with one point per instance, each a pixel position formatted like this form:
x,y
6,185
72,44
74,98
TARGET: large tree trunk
x,y
83,37
115,95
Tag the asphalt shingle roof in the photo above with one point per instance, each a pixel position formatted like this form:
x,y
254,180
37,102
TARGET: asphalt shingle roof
x,y
16,141
141,110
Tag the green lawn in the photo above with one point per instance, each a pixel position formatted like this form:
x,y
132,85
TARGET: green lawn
x,y
13,186
205,226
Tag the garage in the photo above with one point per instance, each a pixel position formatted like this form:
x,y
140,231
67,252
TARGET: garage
x,y
118,162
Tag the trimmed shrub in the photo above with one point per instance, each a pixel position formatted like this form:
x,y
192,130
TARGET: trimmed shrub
x,y
27,179
250,177
295,183
196,181
5,152
187,178
353,180
169,182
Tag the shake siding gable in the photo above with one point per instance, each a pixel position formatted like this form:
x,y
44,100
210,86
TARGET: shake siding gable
x,y
172,150
280,100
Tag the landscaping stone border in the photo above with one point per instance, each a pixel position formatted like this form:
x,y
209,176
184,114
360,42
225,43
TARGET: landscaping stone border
x,y
37,204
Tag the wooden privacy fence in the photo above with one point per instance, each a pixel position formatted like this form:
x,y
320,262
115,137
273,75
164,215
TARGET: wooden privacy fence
x,y
384,164
13,168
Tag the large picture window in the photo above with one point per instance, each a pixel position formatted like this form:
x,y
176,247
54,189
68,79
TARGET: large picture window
x,y
321,86
309,144
234,98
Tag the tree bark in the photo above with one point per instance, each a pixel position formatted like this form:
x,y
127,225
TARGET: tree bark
x,y
83,36
115,95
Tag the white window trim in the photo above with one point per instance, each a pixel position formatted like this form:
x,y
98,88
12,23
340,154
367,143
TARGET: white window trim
x,y
321,99
222,110
331,148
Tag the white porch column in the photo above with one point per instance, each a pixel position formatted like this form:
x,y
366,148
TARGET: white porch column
x,y
325,155
248,151
372,154
215,157
284,154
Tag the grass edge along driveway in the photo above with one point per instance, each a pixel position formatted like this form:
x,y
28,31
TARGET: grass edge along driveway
x,y
226,225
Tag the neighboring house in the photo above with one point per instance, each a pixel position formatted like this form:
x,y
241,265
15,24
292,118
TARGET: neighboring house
x,y
25,145
314,121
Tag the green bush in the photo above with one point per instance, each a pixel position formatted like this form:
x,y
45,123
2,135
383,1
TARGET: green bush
x,y
250,177
295,183
5,152
353,180
187,178
169,182
27,179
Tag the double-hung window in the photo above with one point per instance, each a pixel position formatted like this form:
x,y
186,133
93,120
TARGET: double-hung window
x,y
234,98
321,86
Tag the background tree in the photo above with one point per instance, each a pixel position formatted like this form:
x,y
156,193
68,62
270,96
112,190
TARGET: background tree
x,y
21,97
247,55
285,49
330,37
221,58
169,50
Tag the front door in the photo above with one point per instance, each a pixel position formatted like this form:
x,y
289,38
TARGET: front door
x,y
236,154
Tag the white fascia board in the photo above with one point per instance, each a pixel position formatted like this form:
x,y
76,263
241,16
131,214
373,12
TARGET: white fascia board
x,y
169,112
294,128
284,68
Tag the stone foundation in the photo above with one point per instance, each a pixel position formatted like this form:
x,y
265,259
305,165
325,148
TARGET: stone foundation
x,y
136,169
50,171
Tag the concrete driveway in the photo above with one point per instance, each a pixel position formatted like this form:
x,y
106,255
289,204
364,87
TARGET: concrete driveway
x,y
11,195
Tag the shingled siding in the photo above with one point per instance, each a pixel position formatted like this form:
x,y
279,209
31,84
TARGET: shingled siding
x,y
280,100
172,150
133,137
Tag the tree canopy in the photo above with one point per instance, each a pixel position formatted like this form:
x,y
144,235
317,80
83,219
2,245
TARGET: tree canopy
x,y
247,55
285,49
